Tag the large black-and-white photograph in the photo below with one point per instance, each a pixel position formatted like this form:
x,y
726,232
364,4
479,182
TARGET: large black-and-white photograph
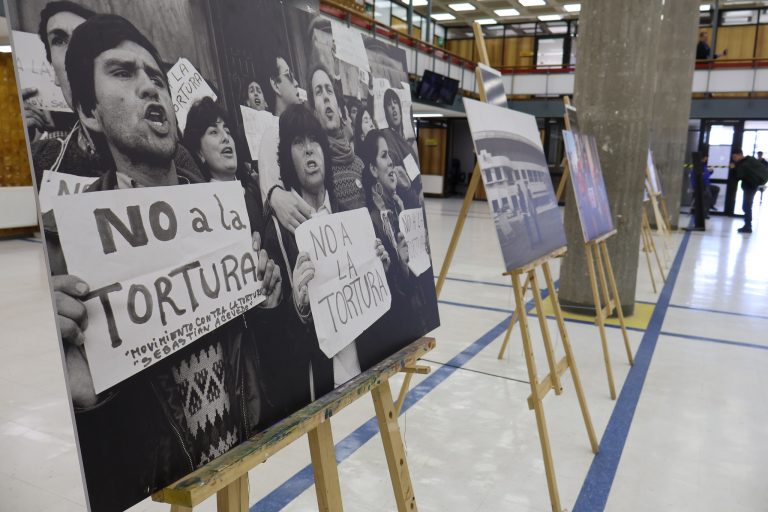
x,y
492,85
233,218
517,183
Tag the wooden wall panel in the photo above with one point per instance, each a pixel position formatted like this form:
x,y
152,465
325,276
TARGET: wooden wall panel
x,y
464,48
14,164
432,150
762,42
495,49
740,41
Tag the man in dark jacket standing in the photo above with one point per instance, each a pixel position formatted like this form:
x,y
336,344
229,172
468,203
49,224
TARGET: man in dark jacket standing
x,y
751,173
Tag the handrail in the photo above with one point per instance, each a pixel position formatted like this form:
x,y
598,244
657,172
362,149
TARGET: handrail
x,y
724,62
343,12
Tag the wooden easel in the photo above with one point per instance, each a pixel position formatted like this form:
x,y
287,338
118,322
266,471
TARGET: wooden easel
x,y
564,164
662,226
650,247
227,476
474,181
540,388
597,253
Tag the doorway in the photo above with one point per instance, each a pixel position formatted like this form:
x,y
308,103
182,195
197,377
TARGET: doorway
x,y
722,137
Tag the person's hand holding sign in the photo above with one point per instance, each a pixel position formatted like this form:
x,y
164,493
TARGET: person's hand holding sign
x,y
268,273
402,251
303,273
72,319
38,120
382,254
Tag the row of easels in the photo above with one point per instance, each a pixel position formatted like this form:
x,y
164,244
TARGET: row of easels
x,y
227,476
525,279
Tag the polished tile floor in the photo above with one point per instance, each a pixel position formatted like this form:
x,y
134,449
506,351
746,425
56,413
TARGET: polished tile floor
x,y
686,433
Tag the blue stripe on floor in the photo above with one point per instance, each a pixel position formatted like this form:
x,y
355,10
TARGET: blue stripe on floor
x,y
744,344
719,312
476,281
304,479
475,306
597,484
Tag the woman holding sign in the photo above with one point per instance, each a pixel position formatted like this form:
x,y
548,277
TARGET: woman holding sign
x,y
401,151
380,183
208,138
305,160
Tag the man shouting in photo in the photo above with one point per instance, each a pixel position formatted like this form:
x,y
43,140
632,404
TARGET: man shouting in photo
x,y
201,401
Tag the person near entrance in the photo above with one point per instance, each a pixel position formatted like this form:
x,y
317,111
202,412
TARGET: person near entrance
x,y
753,175
703,50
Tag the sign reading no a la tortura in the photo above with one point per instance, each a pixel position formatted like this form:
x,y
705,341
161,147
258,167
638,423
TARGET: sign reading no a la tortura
x,y
165,265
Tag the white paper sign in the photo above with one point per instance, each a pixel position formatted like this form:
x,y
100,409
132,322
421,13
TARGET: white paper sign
x,y
187,86
60,184
349,291
35,71
411,167
255,122
349,46
653,177
414,229
165,266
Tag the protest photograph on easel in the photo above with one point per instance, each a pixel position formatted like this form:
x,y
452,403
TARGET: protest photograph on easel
x,y
293,259
516,178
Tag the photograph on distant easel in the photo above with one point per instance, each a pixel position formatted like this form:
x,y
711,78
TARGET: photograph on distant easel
x,y
517,183
493,85
589,186
233,213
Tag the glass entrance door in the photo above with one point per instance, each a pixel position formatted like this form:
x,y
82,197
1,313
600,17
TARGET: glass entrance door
x,y
722,137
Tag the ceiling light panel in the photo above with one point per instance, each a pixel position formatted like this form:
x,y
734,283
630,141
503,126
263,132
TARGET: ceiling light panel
x,y
507,12
531,3
485,21
550,17
462,7
572,7
443,16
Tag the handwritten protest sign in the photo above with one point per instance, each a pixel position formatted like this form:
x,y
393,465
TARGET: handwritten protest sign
x,y
414,229
349,291
165,265
36,72
348,45
255,122
187,86
60,184
411,167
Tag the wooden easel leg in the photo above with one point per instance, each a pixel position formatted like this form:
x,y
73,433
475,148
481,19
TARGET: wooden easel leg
x,y
571,359
511,325
234,497
471,189
541,421
548,348
393,448
617,301
323,456
599,320
647,251
652,246
563,180
403,392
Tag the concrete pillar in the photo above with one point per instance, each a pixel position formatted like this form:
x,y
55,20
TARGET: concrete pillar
x,y
672,101
615,79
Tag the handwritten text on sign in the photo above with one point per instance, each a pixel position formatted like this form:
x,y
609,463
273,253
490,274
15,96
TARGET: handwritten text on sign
x,y
349,291
60,184
187,86
36,72
414,229
165,266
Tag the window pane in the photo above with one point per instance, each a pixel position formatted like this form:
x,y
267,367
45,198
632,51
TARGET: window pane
x,y
740,17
